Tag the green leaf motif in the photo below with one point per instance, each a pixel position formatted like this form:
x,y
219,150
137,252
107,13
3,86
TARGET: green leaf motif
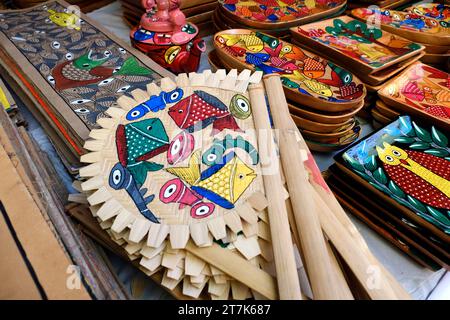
x,y
395,189
380,176
439,216
377,186
419,146
441,153
416,204
439,138
407,140
371,163
355,164
423,134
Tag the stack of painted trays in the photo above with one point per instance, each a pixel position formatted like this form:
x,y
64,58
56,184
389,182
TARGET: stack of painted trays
x,y
396,181
421,91
428,25
274,17
198,12
324,98
372,54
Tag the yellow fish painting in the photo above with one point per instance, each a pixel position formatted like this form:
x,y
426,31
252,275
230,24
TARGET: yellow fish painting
x,y
223,183
250,41
312,84
64,19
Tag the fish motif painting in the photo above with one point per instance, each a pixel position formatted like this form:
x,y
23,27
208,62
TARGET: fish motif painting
x,y
191,159
304,74
408,24
279,12
86,68
410,163
422,90
168,181
437,11
353,40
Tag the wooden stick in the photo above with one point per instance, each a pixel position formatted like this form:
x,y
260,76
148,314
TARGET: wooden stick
x,y
287,276
342,221
237,267
318,264
319,185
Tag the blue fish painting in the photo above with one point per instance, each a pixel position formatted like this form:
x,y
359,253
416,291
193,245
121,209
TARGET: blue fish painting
x,y
121,178
258,60
154,104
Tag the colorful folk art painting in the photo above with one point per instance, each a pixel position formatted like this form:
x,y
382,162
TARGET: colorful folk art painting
x,y
277,10
301,71
403,20
355,39
84,66
411,164
185,153
421,87
438,11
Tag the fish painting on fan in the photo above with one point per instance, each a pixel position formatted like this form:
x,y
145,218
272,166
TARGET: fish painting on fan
x,y
200,110
301,71
222,183
410,163
423,88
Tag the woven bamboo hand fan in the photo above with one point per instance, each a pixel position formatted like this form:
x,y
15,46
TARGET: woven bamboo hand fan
x,y
182,161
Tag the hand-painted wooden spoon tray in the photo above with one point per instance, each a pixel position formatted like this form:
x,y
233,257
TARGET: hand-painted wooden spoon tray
x,y
180,161
307,78
353,42
420,90
408,25
281,14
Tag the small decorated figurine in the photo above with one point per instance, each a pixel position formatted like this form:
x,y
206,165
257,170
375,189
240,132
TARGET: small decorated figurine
x,y
166,37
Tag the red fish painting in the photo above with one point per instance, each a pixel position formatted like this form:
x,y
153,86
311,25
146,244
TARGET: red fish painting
x,y
201,109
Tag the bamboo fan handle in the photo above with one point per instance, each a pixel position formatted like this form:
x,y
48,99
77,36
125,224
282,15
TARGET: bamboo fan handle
x,y
318,264
283,249
348,241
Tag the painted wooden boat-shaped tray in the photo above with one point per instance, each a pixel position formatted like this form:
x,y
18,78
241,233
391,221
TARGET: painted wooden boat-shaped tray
x,y
438,11
408,25
376,78
341,137
354,43
330,147
279,14
385,110
307,78
379,117
224,22
420,90
318,127
435,58
325,118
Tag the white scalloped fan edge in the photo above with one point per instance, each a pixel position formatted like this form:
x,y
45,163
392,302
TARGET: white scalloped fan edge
x,y
161,246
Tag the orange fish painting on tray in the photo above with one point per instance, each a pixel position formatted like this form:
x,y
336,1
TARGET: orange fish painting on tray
x,y
423,88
